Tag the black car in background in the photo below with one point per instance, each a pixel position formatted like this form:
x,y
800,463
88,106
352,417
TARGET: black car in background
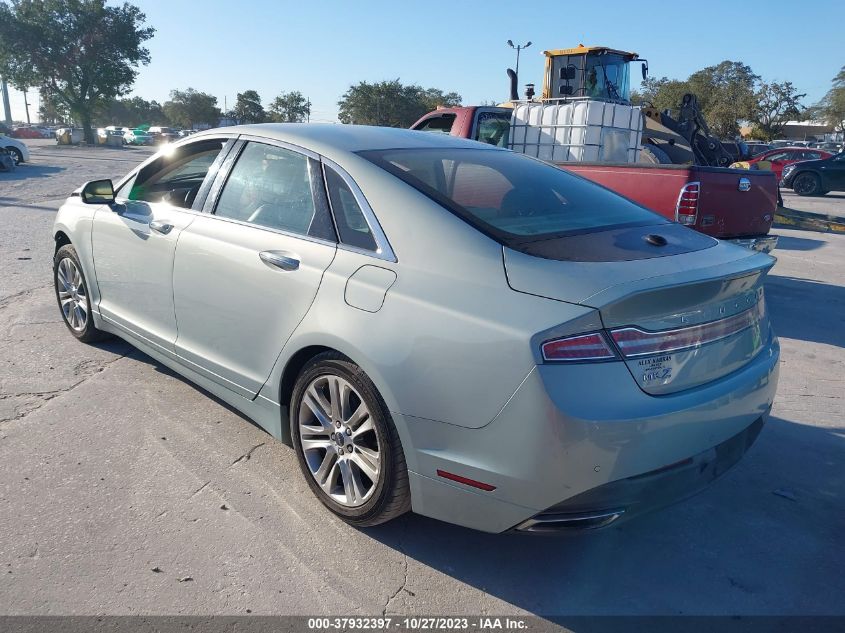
x,y
816,177
757,148
737,149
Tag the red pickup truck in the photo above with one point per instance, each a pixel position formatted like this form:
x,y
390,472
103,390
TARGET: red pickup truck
x,y
731,204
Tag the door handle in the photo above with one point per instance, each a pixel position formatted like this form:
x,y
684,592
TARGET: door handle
x,y
280,259
160,226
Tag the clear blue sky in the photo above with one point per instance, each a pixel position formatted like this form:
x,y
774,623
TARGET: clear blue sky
x,y
321,47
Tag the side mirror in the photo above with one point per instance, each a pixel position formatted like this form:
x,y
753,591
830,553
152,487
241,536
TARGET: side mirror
x,y
645,69
98,192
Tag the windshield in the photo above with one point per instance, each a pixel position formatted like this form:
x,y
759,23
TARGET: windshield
x,y
607,78
512,198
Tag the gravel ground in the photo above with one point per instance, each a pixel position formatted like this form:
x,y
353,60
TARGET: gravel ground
x,y
118,479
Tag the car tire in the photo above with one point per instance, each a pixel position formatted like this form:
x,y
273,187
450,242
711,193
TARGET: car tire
x,y
17,154
807,184
346,443
73,297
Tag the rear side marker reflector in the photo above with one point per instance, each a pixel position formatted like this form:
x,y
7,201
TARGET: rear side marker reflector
x,y
465,480
634,342
575,348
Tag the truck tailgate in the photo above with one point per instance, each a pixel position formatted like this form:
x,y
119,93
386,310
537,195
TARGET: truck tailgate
x,y
732,203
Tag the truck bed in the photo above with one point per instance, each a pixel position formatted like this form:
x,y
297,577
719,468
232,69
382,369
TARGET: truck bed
x,y
724,210
732,204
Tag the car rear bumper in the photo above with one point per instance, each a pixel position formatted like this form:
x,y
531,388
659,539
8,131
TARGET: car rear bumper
x,y
761,244
585,440
626,498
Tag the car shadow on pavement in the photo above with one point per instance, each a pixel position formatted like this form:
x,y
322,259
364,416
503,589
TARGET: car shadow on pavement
x,y
30,171
788,243
761,539
140,356
806,310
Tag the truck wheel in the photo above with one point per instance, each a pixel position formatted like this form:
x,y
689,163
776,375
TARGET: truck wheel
x,y
653,155
807,184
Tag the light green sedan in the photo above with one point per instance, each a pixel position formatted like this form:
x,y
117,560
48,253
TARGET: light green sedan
x,y
432,324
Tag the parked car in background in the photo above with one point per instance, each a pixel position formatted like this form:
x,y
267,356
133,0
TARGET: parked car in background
x,y
780,158
757,148
138,137
780,143
737,149
184,133
16,148
26,132
163,134
816,177
103,135
119,128
590,366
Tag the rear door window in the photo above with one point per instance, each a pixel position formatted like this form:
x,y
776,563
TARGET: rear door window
x,y
352,226
274,187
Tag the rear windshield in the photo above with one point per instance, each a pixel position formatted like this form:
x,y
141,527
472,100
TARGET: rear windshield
x,y
510,197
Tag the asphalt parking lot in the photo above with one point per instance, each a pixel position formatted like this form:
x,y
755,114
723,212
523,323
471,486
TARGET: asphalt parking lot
x,y
124,489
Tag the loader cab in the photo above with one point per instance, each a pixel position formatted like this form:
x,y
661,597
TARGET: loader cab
x,y
588,72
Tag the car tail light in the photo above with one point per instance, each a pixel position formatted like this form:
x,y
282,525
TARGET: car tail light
x,y
582,347
686,211
634,342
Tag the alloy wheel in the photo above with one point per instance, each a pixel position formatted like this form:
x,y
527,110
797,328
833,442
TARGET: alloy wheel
x,y
805,184
73,297
339,440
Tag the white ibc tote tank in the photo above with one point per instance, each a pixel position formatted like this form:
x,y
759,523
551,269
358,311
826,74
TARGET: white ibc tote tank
x,y
577,131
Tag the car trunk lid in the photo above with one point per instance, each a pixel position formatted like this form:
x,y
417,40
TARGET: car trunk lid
x,y
677,321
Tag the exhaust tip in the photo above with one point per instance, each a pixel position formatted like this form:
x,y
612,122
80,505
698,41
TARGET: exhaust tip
x,y
570,522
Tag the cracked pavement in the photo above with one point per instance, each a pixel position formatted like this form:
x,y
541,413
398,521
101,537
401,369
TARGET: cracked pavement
x,y
118,479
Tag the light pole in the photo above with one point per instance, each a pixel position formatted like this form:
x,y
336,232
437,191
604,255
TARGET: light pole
x,y
518,48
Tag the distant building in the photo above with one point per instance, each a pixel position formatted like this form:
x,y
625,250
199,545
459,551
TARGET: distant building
x,y
802,131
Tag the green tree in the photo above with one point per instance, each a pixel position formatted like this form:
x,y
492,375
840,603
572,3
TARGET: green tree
x,y
52,110
82,51
248,108
777,103
191,107
663,93
726,94
391,104
290,107
133,112
832,107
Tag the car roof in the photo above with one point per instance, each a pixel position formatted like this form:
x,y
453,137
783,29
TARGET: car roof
x,y
331,139
786,148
